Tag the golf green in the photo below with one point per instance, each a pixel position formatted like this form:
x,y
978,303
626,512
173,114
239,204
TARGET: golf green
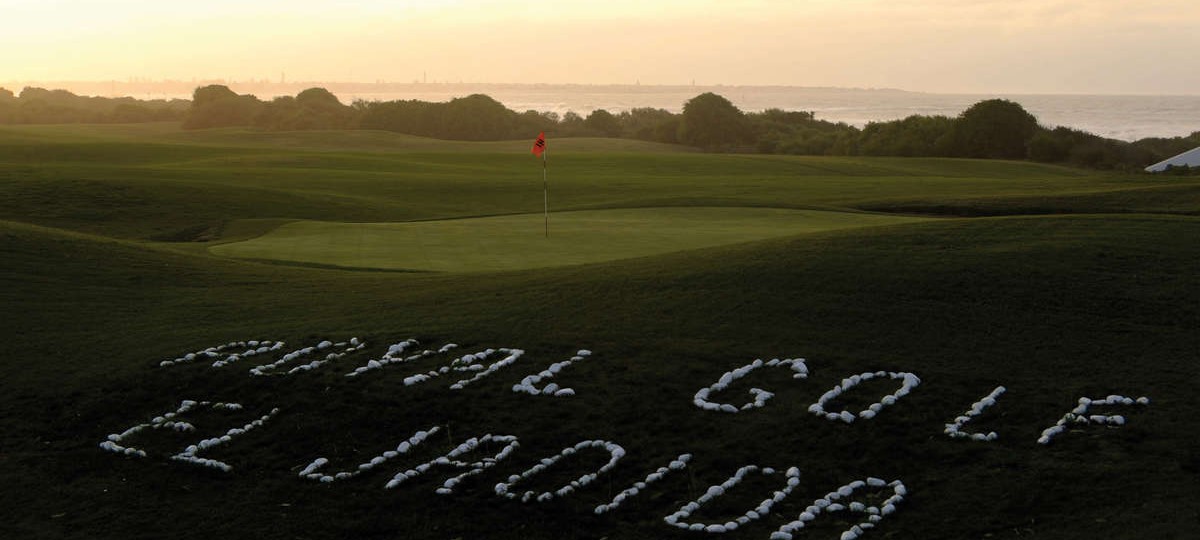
x,y
514,242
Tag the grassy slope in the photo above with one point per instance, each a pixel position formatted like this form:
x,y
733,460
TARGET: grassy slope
x,y
1051,307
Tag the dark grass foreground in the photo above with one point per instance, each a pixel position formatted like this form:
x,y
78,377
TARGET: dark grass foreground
x,y
1053,308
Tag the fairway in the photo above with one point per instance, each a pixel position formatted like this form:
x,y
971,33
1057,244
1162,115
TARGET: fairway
x,y
517,242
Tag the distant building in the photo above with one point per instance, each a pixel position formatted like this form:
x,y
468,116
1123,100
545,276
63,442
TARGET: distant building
x,y
1191,158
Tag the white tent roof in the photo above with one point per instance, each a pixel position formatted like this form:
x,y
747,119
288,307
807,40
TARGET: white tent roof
x,y
1191,158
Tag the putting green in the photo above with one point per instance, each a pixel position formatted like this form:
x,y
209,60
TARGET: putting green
x,y
517,241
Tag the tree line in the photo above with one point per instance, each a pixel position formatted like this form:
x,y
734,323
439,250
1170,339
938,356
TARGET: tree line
x,y
994,128
990,129
40,106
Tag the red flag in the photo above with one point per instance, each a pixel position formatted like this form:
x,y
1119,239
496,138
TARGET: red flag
x,y
539,145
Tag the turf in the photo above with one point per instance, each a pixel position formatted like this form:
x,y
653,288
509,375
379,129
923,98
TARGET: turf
x,y
522,242
1054,300
189,185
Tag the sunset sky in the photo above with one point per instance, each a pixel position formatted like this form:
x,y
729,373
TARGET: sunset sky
x,y
1029,46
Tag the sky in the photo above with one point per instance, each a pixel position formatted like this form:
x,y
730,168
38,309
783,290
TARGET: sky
x,y
964,46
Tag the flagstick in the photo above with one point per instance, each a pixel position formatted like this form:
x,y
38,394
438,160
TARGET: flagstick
x,y
545,194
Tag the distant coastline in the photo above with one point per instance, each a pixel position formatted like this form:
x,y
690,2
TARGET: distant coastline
x,y
173,88
266,89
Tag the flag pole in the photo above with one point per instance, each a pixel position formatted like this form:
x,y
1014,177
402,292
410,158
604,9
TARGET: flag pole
x,y
539,149
545,194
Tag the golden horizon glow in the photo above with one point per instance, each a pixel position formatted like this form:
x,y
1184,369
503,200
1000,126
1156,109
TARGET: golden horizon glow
x,y
1076,46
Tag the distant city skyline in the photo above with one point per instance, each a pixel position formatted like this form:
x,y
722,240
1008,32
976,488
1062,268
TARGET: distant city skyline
x,y
942,46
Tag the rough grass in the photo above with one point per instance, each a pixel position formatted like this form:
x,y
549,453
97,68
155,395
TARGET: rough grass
x,y
1052,307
